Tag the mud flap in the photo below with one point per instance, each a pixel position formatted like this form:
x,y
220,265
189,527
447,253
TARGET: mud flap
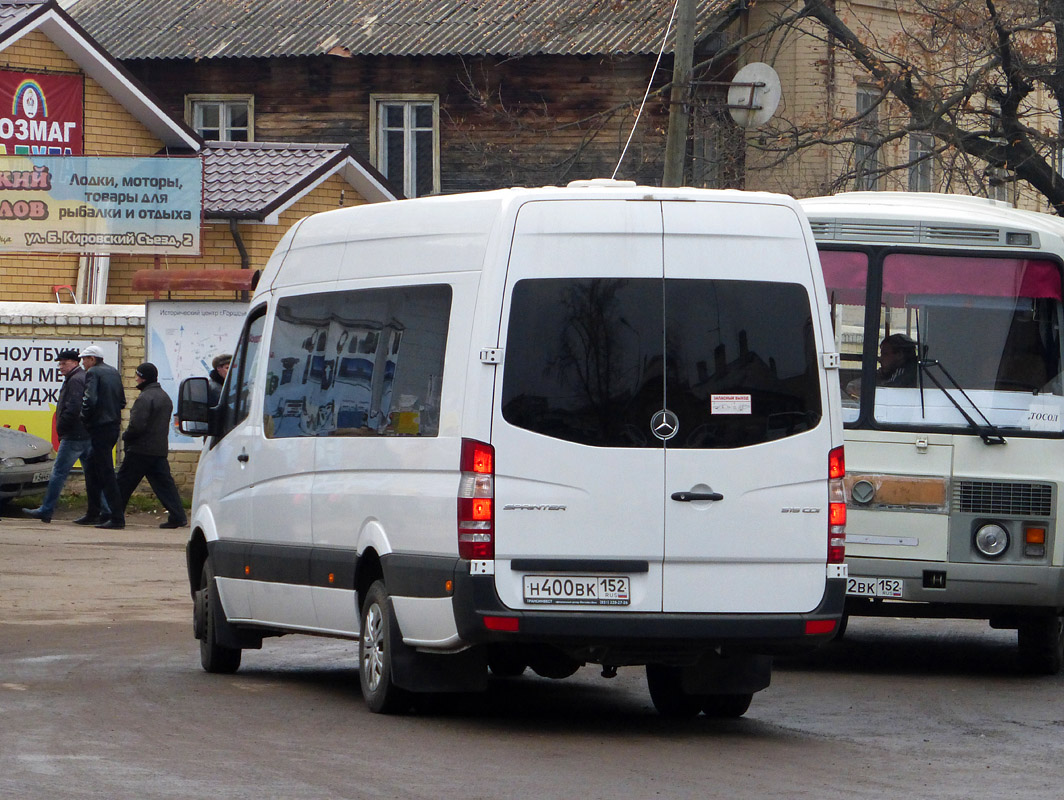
x,y
465,671
739,673
225,634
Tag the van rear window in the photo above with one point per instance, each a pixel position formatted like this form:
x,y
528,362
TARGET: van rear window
x,y
358,363
593,360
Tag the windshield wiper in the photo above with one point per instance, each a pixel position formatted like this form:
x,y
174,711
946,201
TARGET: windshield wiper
x,y
987,431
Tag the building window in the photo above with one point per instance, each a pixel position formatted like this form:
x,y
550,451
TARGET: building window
x,y
222,118
921,146
866,152
405,141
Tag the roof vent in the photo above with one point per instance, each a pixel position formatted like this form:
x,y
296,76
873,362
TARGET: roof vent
x,y
599,183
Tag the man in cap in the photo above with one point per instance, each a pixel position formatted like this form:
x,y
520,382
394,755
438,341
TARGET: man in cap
x,y
147,444
73,436
101,411
219,369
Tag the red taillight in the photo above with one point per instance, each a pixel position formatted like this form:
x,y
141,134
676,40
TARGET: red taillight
x,y
815,626
837,463
476,502
508,624
836,506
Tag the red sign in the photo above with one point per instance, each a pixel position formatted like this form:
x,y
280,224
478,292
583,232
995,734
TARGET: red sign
x,y
41,114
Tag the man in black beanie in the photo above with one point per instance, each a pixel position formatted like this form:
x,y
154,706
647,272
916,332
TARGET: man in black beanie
x,y
147,446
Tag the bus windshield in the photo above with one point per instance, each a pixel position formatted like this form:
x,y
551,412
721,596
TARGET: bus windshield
x,y
956,338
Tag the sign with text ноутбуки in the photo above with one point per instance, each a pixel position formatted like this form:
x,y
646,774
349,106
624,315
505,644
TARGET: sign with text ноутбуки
x,y
100,205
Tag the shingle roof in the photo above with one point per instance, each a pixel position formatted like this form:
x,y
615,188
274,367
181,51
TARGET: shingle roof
x,y
142,29
252,180
14,11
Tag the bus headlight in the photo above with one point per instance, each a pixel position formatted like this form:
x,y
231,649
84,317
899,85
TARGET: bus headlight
x,y
991,540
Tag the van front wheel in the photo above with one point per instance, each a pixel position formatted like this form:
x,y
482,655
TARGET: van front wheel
x,y
375,645
207,611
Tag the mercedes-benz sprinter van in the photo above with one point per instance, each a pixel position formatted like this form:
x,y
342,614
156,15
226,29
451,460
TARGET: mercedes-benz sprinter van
x,y
530,428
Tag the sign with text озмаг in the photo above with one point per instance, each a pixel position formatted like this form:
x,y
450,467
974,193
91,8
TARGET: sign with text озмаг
x,y
72,204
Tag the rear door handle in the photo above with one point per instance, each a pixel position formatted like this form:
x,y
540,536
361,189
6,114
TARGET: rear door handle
x,y
243,458
687,497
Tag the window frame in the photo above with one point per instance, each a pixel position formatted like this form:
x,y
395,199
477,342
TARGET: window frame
x,y
193,102
866,153
377,139
921,165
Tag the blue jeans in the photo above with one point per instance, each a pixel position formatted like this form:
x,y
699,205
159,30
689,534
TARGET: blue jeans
x,y
70,450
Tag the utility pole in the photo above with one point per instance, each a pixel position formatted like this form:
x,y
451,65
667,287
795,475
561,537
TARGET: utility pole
x,y
679,97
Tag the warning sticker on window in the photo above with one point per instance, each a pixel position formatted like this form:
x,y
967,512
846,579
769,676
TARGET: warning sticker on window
x,y
730,404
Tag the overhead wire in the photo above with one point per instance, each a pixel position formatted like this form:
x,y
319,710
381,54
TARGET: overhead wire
x,y
650,83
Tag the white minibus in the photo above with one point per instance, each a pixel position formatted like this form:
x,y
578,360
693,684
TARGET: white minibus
x,y
530,429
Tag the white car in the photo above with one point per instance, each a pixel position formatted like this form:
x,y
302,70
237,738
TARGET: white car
x,y
25,464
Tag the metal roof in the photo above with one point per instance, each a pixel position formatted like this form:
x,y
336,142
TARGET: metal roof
x,y
252,180
180,29
14,11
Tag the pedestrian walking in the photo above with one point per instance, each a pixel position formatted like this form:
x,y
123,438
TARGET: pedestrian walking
x,y
74,441
147,446
101,411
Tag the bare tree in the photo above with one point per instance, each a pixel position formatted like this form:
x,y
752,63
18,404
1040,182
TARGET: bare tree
x,y
977,85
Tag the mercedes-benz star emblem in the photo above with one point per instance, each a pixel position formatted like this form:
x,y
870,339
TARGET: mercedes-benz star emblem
x,y
664,424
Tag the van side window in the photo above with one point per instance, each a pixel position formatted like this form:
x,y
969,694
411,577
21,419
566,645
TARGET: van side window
x,y
364,362
238,391
593,360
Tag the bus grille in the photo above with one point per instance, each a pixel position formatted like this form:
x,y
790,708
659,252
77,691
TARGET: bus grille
x,y
994,497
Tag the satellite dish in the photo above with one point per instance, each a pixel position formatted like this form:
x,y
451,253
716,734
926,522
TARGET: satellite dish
x,y
754,95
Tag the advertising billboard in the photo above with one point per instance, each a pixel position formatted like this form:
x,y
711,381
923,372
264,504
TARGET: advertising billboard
x,y
30,381
100,205
41,114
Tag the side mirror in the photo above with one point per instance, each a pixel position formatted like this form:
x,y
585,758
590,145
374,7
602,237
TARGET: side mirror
x,y
193,407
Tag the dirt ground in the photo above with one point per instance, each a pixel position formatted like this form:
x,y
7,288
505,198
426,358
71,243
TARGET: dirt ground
x,y
62,573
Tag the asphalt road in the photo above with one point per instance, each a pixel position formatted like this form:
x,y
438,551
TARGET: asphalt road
x,y
101,695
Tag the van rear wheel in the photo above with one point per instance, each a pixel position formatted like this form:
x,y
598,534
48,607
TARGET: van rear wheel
x,y
726,706
207,613
667,694
375,644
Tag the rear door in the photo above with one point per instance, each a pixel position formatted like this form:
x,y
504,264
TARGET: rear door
x,y
579,475
743,387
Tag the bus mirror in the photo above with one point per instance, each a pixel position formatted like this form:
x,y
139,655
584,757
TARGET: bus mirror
x,y
193,407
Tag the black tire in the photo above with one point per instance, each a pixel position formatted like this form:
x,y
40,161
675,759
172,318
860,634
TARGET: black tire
x,y
375,643
506,663
726,706
1040,642
667,694
214,657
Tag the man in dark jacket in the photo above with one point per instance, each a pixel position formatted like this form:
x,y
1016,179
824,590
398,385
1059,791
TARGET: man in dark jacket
x,y
147,445
73,436
101,411
219,369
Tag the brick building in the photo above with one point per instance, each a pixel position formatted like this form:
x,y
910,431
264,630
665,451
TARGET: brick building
x,y
251,194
